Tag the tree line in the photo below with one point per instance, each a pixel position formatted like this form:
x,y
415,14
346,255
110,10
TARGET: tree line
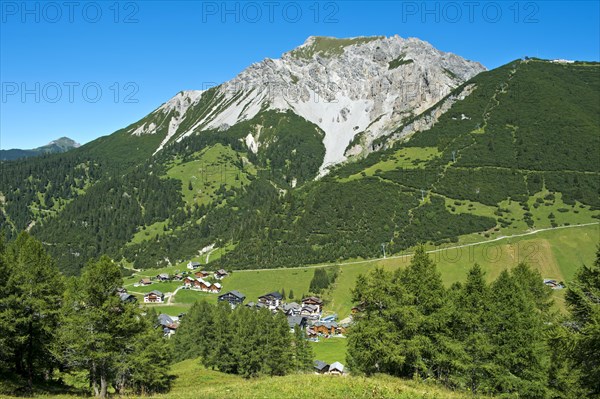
x,y
51,325
243,341
500,338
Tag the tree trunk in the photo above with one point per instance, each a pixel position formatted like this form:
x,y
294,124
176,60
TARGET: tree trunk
x,y
93,381
103,385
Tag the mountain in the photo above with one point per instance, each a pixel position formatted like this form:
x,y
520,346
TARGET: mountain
x,y
354,90
504,152
62,144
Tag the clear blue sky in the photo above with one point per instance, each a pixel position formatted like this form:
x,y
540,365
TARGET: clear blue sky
x,y
139,54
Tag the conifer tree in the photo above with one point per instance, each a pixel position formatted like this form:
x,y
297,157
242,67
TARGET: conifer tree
x,y
31,305
470,312
303,353
583,297
517,334
196,333
94,318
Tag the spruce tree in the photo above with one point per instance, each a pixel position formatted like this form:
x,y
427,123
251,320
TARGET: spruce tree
x,y
144,365
303,353
471,309
92,323
517,334
583,298
31,306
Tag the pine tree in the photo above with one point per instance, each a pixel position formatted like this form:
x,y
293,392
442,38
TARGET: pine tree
x,y
517,334
469,315
283,294
375,343
583,297
91,324
303,353
32,304
278,355
291,294
143,367
196,333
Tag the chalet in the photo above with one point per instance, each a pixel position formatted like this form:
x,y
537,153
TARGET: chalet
x,y
315,301
272,300
154,297
163,277
202,274
311,311
321,367
297,322
121,290
201,284
234,298
326,328
127,298
291,309
188,281
168,325
336,368
220,274
312,334
215,288
193,265
145,281
178,277
165,319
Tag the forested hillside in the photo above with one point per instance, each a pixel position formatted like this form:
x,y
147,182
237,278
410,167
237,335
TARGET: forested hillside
x,y
518,153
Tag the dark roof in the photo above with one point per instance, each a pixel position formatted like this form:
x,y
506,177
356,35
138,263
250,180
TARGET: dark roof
x,y
296,321
221,271
312,299
155,292
275,295
195,263
126,297
235,293
165,319
319,365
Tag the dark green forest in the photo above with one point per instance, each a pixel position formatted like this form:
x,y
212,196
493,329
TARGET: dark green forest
x,y
528,126
501,338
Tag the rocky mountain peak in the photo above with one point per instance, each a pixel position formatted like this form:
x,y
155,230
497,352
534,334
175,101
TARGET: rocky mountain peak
x,y
354,89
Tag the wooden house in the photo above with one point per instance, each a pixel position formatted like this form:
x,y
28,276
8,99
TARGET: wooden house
x,y
220,274
145,281
154,297
215,288
201,285
272,300
234,298
326,328
314,301
193,265
321,367
188,281
202,274
127,298
336,368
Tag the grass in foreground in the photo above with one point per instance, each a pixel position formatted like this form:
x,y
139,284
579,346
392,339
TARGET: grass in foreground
x,y
194,381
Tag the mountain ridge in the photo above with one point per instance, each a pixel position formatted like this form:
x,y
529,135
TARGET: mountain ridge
x,y
347,87
59,145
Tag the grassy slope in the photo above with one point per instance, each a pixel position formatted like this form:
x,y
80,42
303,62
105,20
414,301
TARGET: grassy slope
x,y
555,253
193,381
